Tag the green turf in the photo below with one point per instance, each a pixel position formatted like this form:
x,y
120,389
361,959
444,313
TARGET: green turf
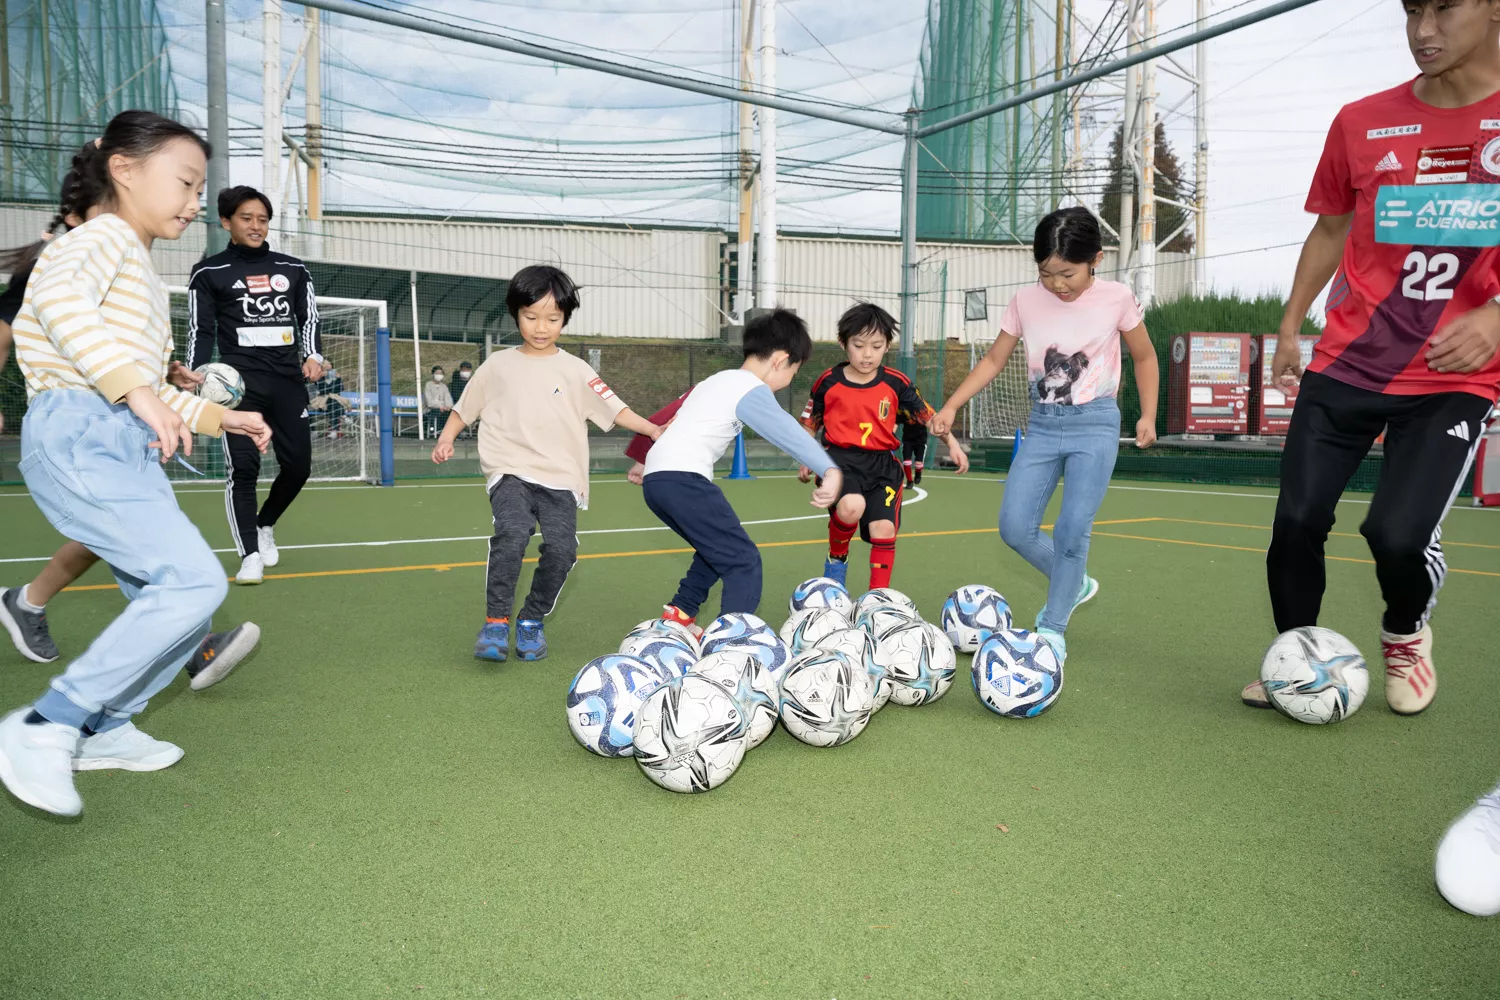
x,y
365,811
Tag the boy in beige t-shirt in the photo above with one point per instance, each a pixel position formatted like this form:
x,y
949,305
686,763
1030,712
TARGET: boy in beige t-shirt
x,y
532,402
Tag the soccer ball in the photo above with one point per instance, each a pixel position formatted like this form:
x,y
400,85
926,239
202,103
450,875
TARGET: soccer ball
x,y
804,629
664,652
884,595
755,687
666,628
690,735
881,618
1314,675
974,613
826,699
747,633
603,701
919,661
221,384
821,592
857,644
1016,674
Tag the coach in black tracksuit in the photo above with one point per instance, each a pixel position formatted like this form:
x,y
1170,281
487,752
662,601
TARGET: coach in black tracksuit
x,y
257,305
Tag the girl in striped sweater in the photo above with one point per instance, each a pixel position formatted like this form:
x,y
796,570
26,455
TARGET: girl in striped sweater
x,y
93,341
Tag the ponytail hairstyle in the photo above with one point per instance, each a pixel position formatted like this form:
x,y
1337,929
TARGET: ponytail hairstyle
x,y
134,134
1070,234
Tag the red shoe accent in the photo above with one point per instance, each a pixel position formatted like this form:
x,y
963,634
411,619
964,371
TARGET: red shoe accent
x,y
1408,664
672,614
497,621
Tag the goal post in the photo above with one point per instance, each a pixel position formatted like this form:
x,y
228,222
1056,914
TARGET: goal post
x,y
351,410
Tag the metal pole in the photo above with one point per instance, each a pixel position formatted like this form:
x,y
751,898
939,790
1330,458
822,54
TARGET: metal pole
x,y
1146,275
270,98
767,283
216,54
1129,145
7,179
1200,164
909,247
313,87
744,286
359,407
1058,101
416,351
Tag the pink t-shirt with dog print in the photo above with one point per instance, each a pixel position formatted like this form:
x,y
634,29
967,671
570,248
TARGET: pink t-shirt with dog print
x,y
1073,348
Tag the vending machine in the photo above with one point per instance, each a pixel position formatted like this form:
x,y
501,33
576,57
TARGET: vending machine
x,y
1271,404
1209,385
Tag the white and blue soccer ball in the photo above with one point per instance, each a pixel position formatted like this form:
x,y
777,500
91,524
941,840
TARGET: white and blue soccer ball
x,y
744,631
1017,674
919,662
752,685
221,384
821,592
972,614
1315,675
667,653
826,699
858,645
665,628
880,618
804,629
690,735
605,698
884,596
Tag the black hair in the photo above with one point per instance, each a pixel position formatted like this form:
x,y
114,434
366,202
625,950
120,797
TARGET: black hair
x,y
1070,234
533,284
466,364
863,316
231,198
436,368
135,134
778,330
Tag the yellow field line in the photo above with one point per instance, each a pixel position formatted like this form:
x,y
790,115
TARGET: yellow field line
x,y
1243,548
1334,534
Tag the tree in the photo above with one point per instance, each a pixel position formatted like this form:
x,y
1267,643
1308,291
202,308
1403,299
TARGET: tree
x,y
1169,184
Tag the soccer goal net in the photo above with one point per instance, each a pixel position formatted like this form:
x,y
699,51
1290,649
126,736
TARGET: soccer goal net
x,y
341,407
1000,408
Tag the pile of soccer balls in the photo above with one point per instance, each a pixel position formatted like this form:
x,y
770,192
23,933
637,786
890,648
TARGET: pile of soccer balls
x,y
688,707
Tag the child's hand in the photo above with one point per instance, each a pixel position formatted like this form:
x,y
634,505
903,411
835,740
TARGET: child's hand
x,y
942,422
442,452
656,431
827,493
804,474
166,423
183,377
250,424
959,456
1145,432
637,474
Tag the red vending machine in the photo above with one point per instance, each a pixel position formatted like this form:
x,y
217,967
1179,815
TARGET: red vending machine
x,y
1209,386
1271,404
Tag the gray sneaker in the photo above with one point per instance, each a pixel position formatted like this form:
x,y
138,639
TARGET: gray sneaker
x,y
221,652
28,629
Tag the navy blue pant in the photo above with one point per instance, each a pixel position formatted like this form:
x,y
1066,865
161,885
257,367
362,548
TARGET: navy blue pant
x,y
698,511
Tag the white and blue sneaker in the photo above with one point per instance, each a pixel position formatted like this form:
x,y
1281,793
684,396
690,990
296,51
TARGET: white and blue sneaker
x,y
1468,859
1088,593
125,748
36,763
531,642
837,569
493,642
1056,641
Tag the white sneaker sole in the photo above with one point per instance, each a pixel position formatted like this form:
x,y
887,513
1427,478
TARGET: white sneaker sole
x,y
249,581
156,762
14,628
229,657
21,792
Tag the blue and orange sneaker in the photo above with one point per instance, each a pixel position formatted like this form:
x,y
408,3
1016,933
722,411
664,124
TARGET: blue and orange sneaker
x,y
531,643
837,569
494,641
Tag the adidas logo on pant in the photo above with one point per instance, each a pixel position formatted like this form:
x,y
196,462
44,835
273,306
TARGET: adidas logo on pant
x,y
1460,431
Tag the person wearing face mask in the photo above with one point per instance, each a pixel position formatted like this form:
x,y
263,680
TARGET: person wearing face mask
x,y
437,400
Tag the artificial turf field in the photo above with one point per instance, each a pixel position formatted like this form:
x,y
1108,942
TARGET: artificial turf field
x,y
365,810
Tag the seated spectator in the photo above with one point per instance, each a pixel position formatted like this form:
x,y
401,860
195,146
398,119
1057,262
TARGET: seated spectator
x,y
437,400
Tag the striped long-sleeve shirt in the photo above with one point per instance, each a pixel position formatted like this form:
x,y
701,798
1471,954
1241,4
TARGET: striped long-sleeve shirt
x,y
96,318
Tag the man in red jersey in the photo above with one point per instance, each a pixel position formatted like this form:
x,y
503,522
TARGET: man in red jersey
x,y
1408,200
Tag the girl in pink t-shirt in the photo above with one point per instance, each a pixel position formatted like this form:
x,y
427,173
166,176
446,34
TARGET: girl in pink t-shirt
x,y
1072,323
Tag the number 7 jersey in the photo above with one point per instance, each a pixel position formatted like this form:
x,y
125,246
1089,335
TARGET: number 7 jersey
x,y
1423,184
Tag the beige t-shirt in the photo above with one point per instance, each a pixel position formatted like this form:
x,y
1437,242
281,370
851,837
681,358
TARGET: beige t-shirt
x,y
531,412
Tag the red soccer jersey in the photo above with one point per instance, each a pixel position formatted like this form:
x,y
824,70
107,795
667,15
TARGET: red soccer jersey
x,y
1423,184
863,416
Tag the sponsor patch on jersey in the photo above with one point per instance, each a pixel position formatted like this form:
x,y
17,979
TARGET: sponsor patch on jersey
x,y
265,336
1387,133
258,284
1444,165
1446,215
1489,157
1490,125
603,391
280,282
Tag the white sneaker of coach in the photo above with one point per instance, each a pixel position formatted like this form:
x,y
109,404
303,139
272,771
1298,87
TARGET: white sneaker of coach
x,y
36,763
126,748
252,570
1468,859
267,539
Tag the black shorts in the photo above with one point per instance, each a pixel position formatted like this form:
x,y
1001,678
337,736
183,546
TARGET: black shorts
x,y
878,477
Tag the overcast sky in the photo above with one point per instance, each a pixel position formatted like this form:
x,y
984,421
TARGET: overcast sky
x,y
1273,89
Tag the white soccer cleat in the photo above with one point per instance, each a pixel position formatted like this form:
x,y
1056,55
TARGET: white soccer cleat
x,y
36,763
252,570
267,539
1468,859
125,748
1410,680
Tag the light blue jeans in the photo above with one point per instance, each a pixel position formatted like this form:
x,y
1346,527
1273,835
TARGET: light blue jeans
x,y
1077,444
87,467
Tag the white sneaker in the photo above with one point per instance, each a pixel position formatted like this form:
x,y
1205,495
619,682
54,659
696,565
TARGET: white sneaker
x,y
36,763
267,538
126,748
252,570
1410,678
1468,859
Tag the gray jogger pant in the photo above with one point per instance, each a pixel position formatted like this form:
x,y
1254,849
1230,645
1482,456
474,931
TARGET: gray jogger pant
x,y
519,507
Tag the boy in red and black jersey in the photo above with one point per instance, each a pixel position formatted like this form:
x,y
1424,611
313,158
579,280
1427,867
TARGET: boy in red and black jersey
x,y
857,404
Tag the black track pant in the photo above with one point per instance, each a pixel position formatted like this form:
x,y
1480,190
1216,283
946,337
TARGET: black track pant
x,y
282,400
519,508
1429,445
